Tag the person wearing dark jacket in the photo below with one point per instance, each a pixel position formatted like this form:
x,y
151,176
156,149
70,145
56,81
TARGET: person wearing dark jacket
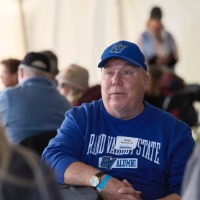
x,y
23,176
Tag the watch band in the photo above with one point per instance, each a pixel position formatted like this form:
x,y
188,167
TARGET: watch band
x,y
103,182
99,174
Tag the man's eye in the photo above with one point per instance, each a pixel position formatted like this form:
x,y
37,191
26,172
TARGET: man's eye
x,y
128,72
109,73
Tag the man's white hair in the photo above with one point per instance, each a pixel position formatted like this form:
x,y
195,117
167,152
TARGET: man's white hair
x,y
32,72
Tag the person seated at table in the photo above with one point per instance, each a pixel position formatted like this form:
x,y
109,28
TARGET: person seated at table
x,y
34,106
163,82
121,145
73,84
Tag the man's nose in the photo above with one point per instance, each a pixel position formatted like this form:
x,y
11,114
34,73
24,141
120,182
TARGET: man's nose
x,y
117,79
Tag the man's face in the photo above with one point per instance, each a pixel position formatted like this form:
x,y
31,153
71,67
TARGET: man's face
x,y
7,78
63,88
123,88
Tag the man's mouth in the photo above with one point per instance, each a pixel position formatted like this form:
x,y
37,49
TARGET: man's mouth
x,y
117,93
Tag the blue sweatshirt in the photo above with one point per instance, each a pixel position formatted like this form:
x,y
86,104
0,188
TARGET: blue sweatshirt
x,y
150,150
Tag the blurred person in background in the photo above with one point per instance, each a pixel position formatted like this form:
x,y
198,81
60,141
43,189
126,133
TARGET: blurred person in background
x,y
191,179
23,176
73,84
163,83
166,84
53,59
8,72
34,106
157,44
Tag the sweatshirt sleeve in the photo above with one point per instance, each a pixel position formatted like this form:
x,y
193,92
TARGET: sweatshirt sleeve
x,y
66,147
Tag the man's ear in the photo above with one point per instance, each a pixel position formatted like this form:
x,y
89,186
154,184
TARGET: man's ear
x,y
147,80
20,73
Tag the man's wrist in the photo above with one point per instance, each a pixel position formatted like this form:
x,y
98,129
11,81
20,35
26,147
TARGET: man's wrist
x,y
102,184
96,179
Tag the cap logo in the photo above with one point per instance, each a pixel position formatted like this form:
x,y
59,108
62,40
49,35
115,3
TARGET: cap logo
x,y
118,48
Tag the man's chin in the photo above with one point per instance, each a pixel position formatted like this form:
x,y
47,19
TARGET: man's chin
x,y
117,105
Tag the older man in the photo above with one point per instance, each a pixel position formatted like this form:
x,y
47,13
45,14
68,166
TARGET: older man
x,y
121,145
35,106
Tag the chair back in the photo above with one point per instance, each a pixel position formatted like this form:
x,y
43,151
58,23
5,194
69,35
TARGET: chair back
x,y
37,143
181,104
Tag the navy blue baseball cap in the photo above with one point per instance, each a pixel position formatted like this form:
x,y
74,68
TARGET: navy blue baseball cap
x,y
36,60
125,50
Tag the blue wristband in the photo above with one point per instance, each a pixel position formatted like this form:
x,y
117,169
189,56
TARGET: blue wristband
x,y
103,182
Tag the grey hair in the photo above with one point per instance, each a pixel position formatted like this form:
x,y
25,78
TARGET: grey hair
x,y
30,71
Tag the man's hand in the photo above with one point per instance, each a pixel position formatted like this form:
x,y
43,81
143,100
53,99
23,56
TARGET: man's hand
x,y
128,189
119,190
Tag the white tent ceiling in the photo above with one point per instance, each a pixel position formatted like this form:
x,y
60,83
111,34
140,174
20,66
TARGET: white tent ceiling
x,y
79,30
